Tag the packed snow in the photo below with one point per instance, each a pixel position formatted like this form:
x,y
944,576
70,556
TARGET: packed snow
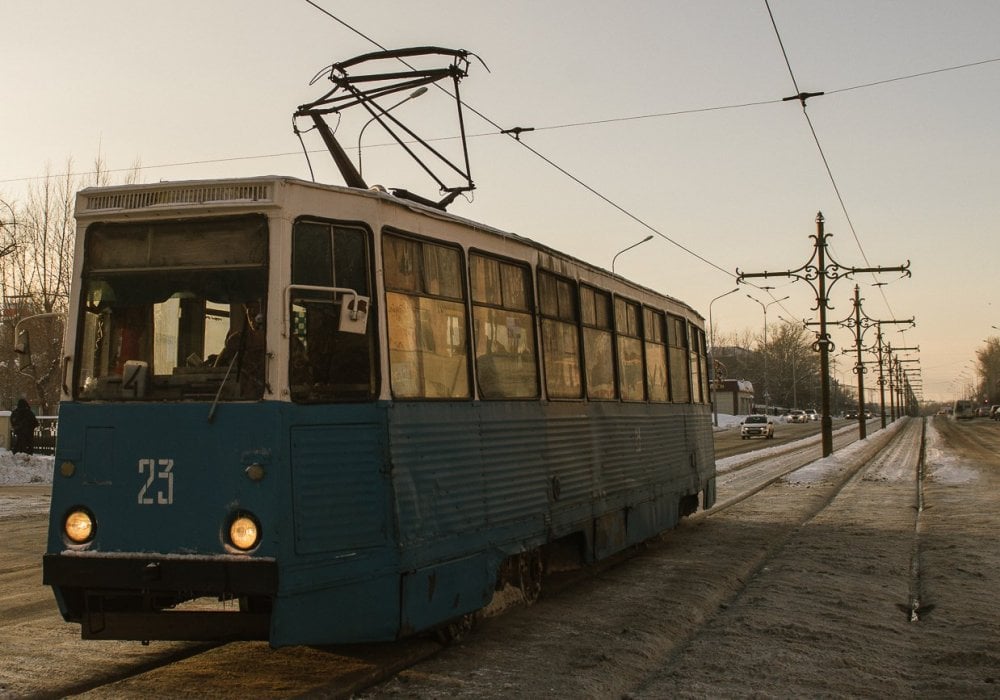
x,y
25,469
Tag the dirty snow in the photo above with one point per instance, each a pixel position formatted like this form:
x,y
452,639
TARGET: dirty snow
x,y
943,465
24,469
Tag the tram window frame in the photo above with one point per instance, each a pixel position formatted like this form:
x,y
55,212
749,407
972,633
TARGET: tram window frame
x,y
628,344
678,361
654,332
699,377
559,313
327,365
596,322
421,288
503,300
150,289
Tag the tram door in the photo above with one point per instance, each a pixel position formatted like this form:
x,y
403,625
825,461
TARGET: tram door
x,y
339,484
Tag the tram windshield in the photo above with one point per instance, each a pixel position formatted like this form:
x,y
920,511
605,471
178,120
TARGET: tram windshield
x,y
173,310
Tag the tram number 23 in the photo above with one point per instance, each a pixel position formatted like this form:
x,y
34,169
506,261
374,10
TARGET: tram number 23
x,y
158,488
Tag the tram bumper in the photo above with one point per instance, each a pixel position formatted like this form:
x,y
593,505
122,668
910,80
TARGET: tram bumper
x,y
136,597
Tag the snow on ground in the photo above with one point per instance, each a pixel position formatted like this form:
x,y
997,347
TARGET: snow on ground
x,y
29,477
821,469
25,469
944,467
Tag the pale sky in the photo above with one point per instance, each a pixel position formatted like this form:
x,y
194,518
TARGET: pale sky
x,y
196,89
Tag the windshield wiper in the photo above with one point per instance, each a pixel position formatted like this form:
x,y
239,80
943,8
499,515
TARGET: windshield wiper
x,y
222,385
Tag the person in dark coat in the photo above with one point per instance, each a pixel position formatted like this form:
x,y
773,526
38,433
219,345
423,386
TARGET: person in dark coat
x,y
23,423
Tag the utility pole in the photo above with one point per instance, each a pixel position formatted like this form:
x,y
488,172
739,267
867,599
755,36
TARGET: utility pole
x,y
817,270
861,322
713,372
902,381
895,397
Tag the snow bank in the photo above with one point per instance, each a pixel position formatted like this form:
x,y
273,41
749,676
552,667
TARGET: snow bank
x,y
24,469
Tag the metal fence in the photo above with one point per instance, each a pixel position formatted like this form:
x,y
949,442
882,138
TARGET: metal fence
x,y
45,435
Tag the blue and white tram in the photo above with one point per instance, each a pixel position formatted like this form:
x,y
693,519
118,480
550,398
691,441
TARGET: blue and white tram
x,y
316,414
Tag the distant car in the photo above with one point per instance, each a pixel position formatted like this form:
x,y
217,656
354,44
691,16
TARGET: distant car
x,y
982,412
963,410
811,412
797,416
756,425
851,415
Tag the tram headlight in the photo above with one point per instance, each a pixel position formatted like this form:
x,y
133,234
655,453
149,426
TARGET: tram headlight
x,y
79,526
244,532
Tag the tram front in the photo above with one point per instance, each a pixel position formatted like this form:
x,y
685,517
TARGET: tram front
x,y
157,494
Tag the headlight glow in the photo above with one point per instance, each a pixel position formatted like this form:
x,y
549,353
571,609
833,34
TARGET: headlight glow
x,y
244,533
79,526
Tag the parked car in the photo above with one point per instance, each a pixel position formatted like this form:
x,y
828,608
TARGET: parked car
x,y
995,412
757,425
797,416
811,412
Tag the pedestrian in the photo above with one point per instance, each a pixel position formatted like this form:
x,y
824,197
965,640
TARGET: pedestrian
x,y
23,423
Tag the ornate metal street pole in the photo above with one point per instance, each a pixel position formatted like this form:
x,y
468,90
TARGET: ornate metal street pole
x,y
819,272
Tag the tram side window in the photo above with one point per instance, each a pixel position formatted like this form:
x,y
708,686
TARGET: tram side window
x,y
326,363
699,367
560,338
631,372
654,332
598,352
425,308
503,330
677,352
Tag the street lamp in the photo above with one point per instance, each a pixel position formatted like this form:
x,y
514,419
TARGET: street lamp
x,y
795,393
711,365
764,307
647,238
413,95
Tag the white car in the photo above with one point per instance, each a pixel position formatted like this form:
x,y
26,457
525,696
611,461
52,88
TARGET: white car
x,y
797,416
811,413
756,425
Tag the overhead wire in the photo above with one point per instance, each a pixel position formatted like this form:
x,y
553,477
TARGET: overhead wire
x,y
819,146
549,161
593,190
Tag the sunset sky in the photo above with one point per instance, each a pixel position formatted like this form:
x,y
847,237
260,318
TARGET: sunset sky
x,y
653,117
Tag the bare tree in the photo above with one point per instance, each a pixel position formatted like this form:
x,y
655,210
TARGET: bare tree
x,y
36,269
36,278
989,370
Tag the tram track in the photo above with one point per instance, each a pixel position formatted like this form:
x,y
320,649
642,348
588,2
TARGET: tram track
x,y
915,607
747,476
369,670
741,563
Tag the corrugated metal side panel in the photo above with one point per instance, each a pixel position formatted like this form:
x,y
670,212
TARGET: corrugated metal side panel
x,y
515,464
437,475
338,488
486,471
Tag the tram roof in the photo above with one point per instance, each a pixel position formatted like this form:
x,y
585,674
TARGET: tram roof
x,y
92,202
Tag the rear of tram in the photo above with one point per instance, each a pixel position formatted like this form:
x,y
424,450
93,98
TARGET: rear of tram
x,y
171,494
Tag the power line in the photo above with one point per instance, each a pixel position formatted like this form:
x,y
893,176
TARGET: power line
x,y
550,127
802,97
515,135
550,162
914,75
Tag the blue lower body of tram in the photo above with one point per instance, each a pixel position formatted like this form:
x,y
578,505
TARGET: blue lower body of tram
x,y
376,520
